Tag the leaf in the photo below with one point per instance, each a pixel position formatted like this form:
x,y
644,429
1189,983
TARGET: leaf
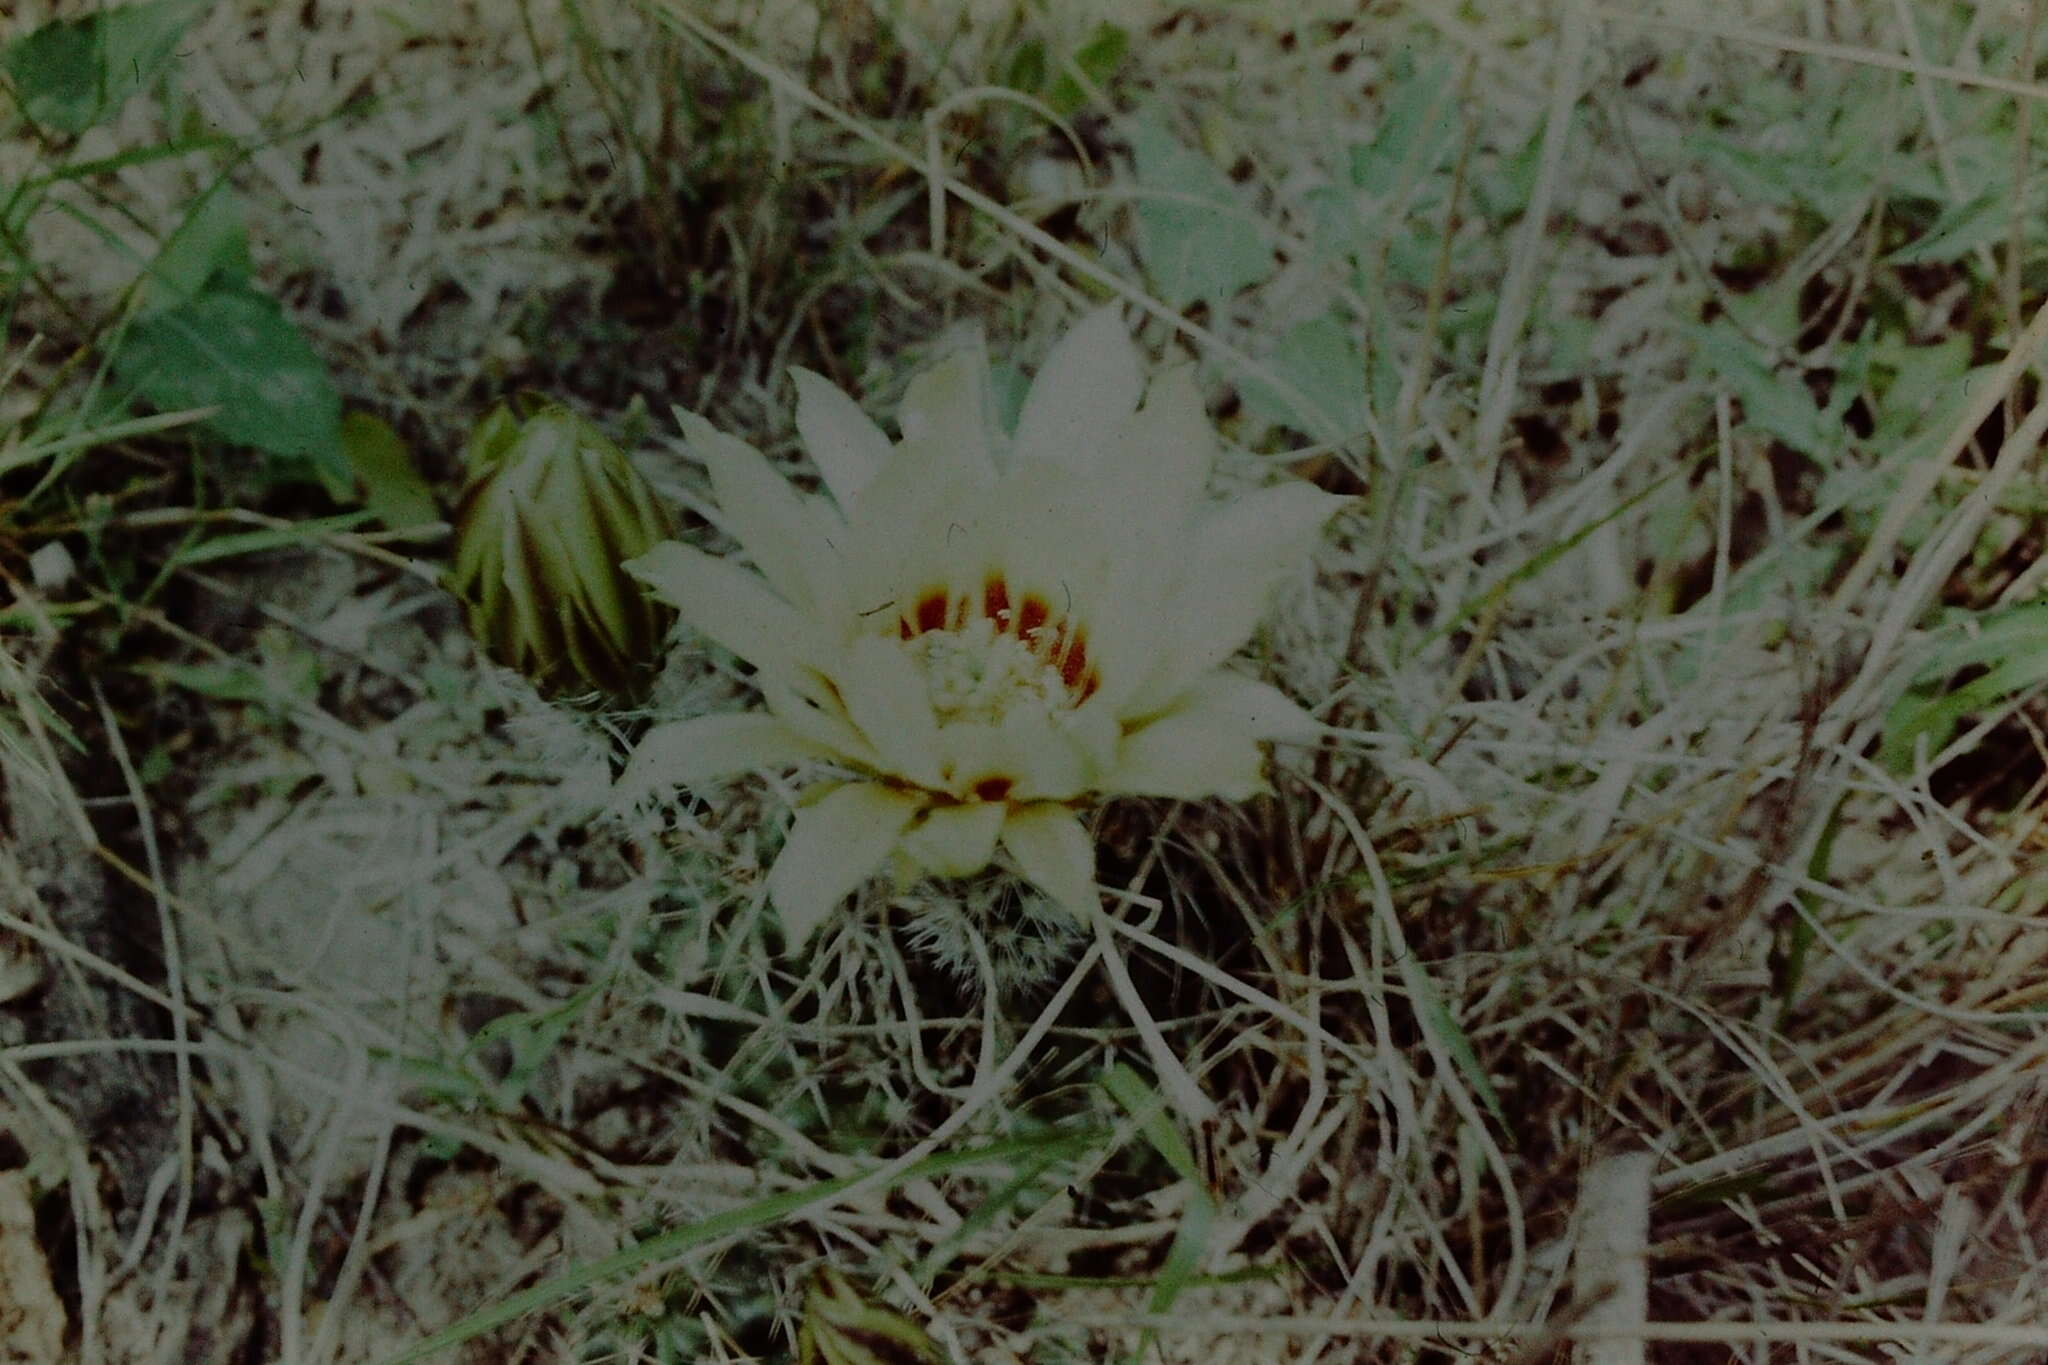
x,y
1325,368
1027,68
1805,173
1792,934
222,682
1436,1019
1019,1190
442,1082
1983,221
1414,135
1145,1105
211,246
56,73
1196,239
299,533
1778,403
286,671
1098,59
232,348
1184,1258
71,75
392,487
1928,387
531,1036
2011,645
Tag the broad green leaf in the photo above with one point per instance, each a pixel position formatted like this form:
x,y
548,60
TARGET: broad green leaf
x,y
57,75
1339,227
1197,239
211,246
1027,68
1098,59
1324,366
1415,134
234,348
1926,381
1501,192
392,487
73,74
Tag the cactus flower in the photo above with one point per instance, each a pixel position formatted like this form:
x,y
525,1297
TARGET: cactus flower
x,y
985,633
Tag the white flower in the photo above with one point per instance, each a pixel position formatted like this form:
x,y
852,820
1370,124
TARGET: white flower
x,y
985,633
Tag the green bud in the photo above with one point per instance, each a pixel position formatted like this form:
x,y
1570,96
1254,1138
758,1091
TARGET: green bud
x,y
549,511
842,1328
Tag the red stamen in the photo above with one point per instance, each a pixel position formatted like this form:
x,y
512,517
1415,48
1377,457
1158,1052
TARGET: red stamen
x,y
993,788
1076,661
1033,615
931,612
995,602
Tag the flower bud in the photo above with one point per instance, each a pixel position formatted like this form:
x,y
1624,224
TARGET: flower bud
x,y
842,1328
550,510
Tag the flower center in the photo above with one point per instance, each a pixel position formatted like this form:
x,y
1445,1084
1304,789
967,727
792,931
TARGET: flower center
x,y
981,656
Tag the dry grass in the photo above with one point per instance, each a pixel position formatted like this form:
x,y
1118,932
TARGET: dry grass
x,y
354,1008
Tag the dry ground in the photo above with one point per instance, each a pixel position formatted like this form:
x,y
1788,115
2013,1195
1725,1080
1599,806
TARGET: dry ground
x,y
1667,350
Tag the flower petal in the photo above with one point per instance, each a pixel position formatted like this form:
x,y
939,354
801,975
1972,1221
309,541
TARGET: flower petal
x,y
804,704
1241,553
1167,447
832,848
1029,756
686,752
913,521
731,605
946,413
782,535
1158,460
955,841
1088,384
885,695
1054,853
1240,703
1208,744
847,448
